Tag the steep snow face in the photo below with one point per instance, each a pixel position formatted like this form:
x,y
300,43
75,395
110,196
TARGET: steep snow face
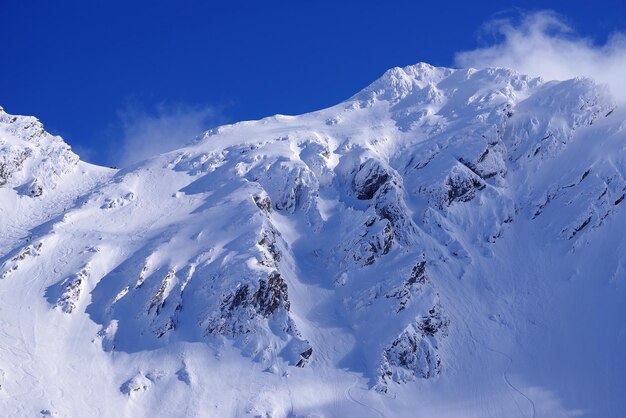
x,y
429,246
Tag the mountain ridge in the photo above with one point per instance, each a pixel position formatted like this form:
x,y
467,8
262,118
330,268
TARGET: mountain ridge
x,y
380,245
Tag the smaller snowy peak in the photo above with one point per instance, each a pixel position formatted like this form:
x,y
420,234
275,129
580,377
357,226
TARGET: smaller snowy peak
x,y
40,178
427,82
31,160
397,83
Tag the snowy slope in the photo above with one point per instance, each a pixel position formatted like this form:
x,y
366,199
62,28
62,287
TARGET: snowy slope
x,y
444,243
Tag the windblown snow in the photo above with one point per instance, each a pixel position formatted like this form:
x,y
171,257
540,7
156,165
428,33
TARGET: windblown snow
x,y
444,243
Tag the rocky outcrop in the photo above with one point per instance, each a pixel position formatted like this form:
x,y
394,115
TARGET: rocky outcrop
x,y
14,262
270,252
304,357
25,143
411,285
73,288
263,202
247,303
11,161
462,185
158,300
414,353
390,205
271,295
374,239
369,178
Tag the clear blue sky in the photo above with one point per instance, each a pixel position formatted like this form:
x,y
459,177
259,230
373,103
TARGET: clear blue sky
x,y
75,65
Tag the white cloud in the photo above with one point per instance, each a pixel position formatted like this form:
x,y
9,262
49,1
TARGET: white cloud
x,y
148,133
543,44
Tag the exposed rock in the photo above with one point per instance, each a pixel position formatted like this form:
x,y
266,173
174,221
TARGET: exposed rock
x,y
12,265
271,253
11,161
71,295
304,357
167,326
375,241
369,178
158,300
462,185
414,353
418,274
238,308
573,230
412,284
263,202
291,186
271,295
35,189
390,205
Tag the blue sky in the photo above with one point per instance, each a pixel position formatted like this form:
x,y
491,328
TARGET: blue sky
x,y
103,75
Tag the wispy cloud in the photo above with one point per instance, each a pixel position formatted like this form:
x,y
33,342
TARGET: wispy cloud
x,y
544,44
165,127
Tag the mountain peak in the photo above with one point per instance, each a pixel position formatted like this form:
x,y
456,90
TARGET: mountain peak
x,y
403,249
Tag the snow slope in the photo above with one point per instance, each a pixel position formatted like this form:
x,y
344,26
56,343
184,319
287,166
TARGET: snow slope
x,y
444,243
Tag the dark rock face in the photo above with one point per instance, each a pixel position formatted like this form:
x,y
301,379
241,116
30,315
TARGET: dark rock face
x,y
375,241
246,303
4,174
12,162
264,203
165,328
239,299
271,295
35,189
31,250
434,322
71,295
368,179
413,284
462,186
490,162
418,274
390,205
580,227
304,357
380,246
158,300
413,354
271,253
12,265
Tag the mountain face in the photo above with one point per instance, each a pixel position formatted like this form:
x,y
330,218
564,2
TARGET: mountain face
x,y
444,243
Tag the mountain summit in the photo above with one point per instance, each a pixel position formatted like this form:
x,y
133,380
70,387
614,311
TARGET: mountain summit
x,y
444,243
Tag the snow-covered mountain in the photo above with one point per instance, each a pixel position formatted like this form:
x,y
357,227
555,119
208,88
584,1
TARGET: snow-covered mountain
x,y
444,243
